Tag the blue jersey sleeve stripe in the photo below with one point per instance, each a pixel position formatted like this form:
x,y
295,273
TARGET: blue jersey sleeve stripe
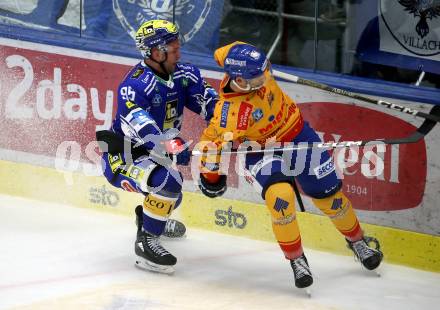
x,y
194,76
179,75
193,79
150,87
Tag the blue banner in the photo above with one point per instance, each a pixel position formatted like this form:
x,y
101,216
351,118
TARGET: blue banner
x,y
117,20
404,34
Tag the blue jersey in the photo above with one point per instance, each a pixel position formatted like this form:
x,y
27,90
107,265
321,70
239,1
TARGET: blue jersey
x,y
148,105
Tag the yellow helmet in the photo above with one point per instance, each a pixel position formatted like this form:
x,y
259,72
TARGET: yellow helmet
x,y
155,33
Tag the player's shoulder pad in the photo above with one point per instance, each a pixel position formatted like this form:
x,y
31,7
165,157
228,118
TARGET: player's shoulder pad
x,y
187,71
141,79
187,67
149,82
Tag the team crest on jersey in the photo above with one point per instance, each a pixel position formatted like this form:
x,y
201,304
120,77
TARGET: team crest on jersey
x,y
257,115
194,13
157,100
137,73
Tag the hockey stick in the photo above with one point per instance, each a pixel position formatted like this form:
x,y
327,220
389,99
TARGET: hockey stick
x,y
388,105
298,196
414,137
116,142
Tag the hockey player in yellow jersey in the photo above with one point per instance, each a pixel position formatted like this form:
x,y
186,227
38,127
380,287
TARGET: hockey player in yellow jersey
x,y
254,109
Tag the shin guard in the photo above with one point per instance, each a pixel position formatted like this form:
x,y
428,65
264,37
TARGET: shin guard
x,y
157,210
280,199
339,209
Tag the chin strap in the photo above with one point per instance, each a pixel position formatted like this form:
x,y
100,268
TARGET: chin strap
x,y
247,89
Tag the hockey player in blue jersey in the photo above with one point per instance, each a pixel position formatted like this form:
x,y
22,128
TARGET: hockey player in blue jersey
x,y
151,99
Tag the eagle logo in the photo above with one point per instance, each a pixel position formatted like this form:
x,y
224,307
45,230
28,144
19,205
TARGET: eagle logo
x,y
423,9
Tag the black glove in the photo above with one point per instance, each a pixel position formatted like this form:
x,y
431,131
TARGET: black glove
x,y
183,158
213,190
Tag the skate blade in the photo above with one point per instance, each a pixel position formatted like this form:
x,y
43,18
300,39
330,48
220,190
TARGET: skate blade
x,y
373,273
150,266
377,272
169,238
307,291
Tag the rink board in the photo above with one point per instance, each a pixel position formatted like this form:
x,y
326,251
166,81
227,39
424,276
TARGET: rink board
x,y
54,99
63,100
244,219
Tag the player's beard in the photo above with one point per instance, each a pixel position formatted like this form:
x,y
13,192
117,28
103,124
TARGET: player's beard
x,y
170,68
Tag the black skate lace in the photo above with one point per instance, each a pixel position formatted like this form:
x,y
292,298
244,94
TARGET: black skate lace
x,y
300,267
153,244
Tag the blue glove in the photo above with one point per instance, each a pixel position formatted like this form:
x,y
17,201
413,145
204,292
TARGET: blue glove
x,y
213,190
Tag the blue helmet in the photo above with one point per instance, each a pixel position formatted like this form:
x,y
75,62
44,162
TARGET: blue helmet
x,y
155,33
246,61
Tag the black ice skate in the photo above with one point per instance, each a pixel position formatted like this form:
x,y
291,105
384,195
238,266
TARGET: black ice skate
x,y
151,255
370,258
301,270
173,228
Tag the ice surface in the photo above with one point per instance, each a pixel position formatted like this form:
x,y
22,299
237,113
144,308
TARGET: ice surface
x,y
60,257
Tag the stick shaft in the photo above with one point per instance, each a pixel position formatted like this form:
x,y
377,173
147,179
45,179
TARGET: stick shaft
x,y
342,92
414,137
306,146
